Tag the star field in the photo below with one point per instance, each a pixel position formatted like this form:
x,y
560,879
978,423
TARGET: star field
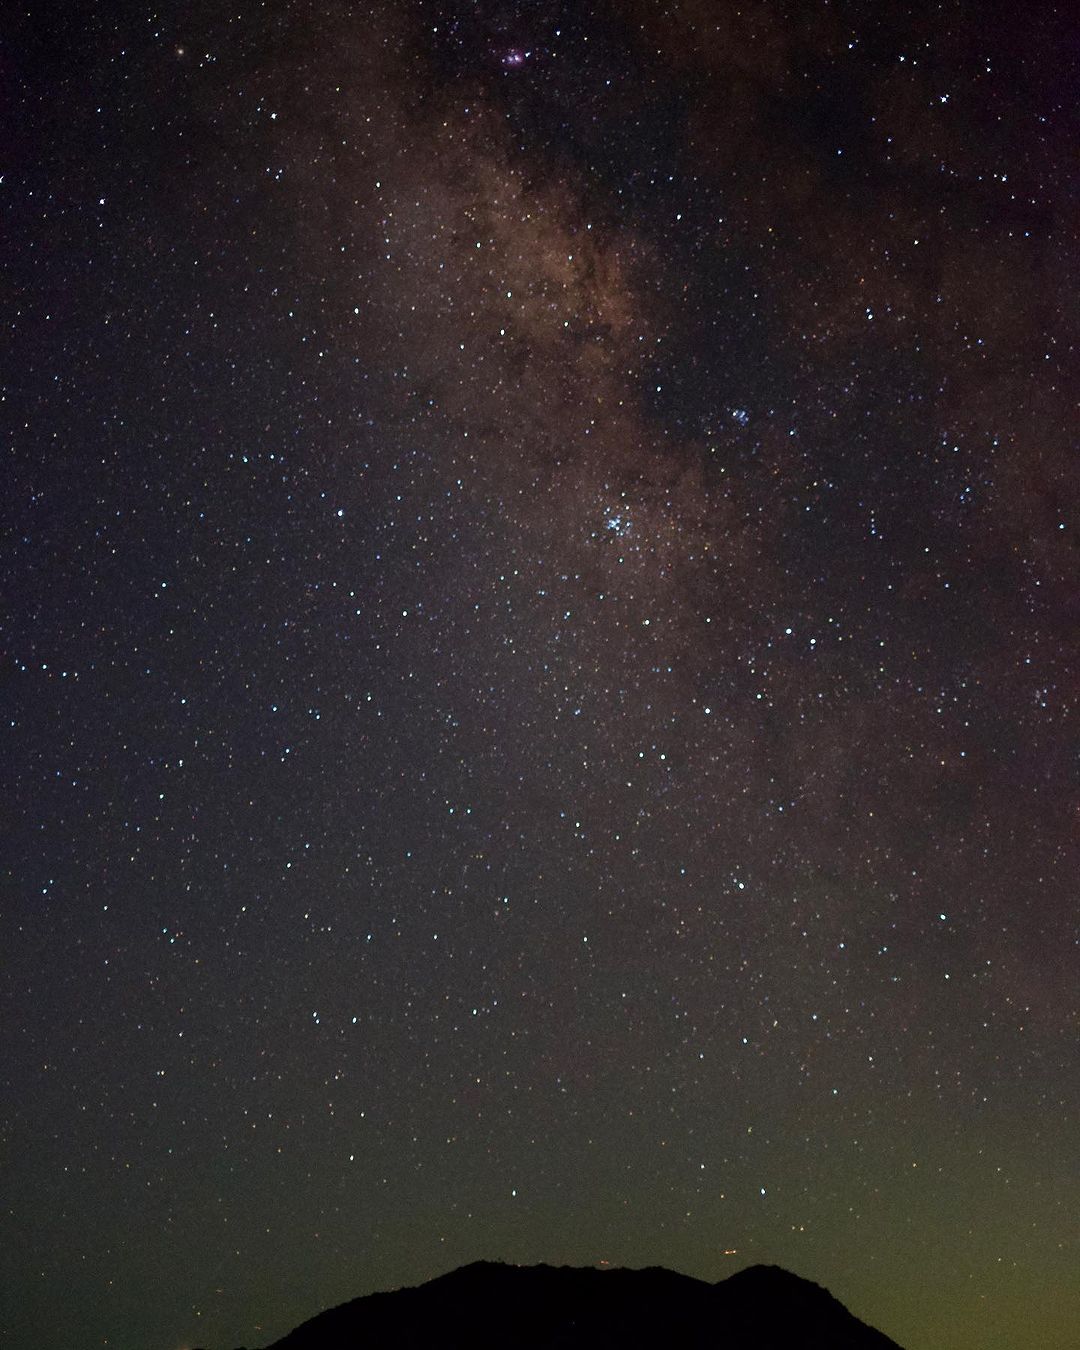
x,y
540,637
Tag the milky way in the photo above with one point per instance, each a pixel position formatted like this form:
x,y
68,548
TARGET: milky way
x,y
540,645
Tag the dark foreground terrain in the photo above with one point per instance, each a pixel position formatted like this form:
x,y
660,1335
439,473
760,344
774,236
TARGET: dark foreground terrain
x,y
487,1306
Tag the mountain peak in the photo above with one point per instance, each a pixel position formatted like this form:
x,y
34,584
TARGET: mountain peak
x,y
489,1305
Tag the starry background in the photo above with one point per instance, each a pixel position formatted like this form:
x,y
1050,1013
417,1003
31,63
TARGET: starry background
x,y
540,647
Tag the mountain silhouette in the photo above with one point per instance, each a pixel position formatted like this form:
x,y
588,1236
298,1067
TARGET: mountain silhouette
x,y
488,1306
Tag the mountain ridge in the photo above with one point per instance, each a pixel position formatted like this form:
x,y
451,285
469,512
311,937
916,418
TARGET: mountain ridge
x,y
490,1305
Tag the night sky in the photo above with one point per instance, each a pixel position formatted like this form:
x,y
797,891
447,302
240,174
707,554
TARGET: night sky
x,y
540,634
